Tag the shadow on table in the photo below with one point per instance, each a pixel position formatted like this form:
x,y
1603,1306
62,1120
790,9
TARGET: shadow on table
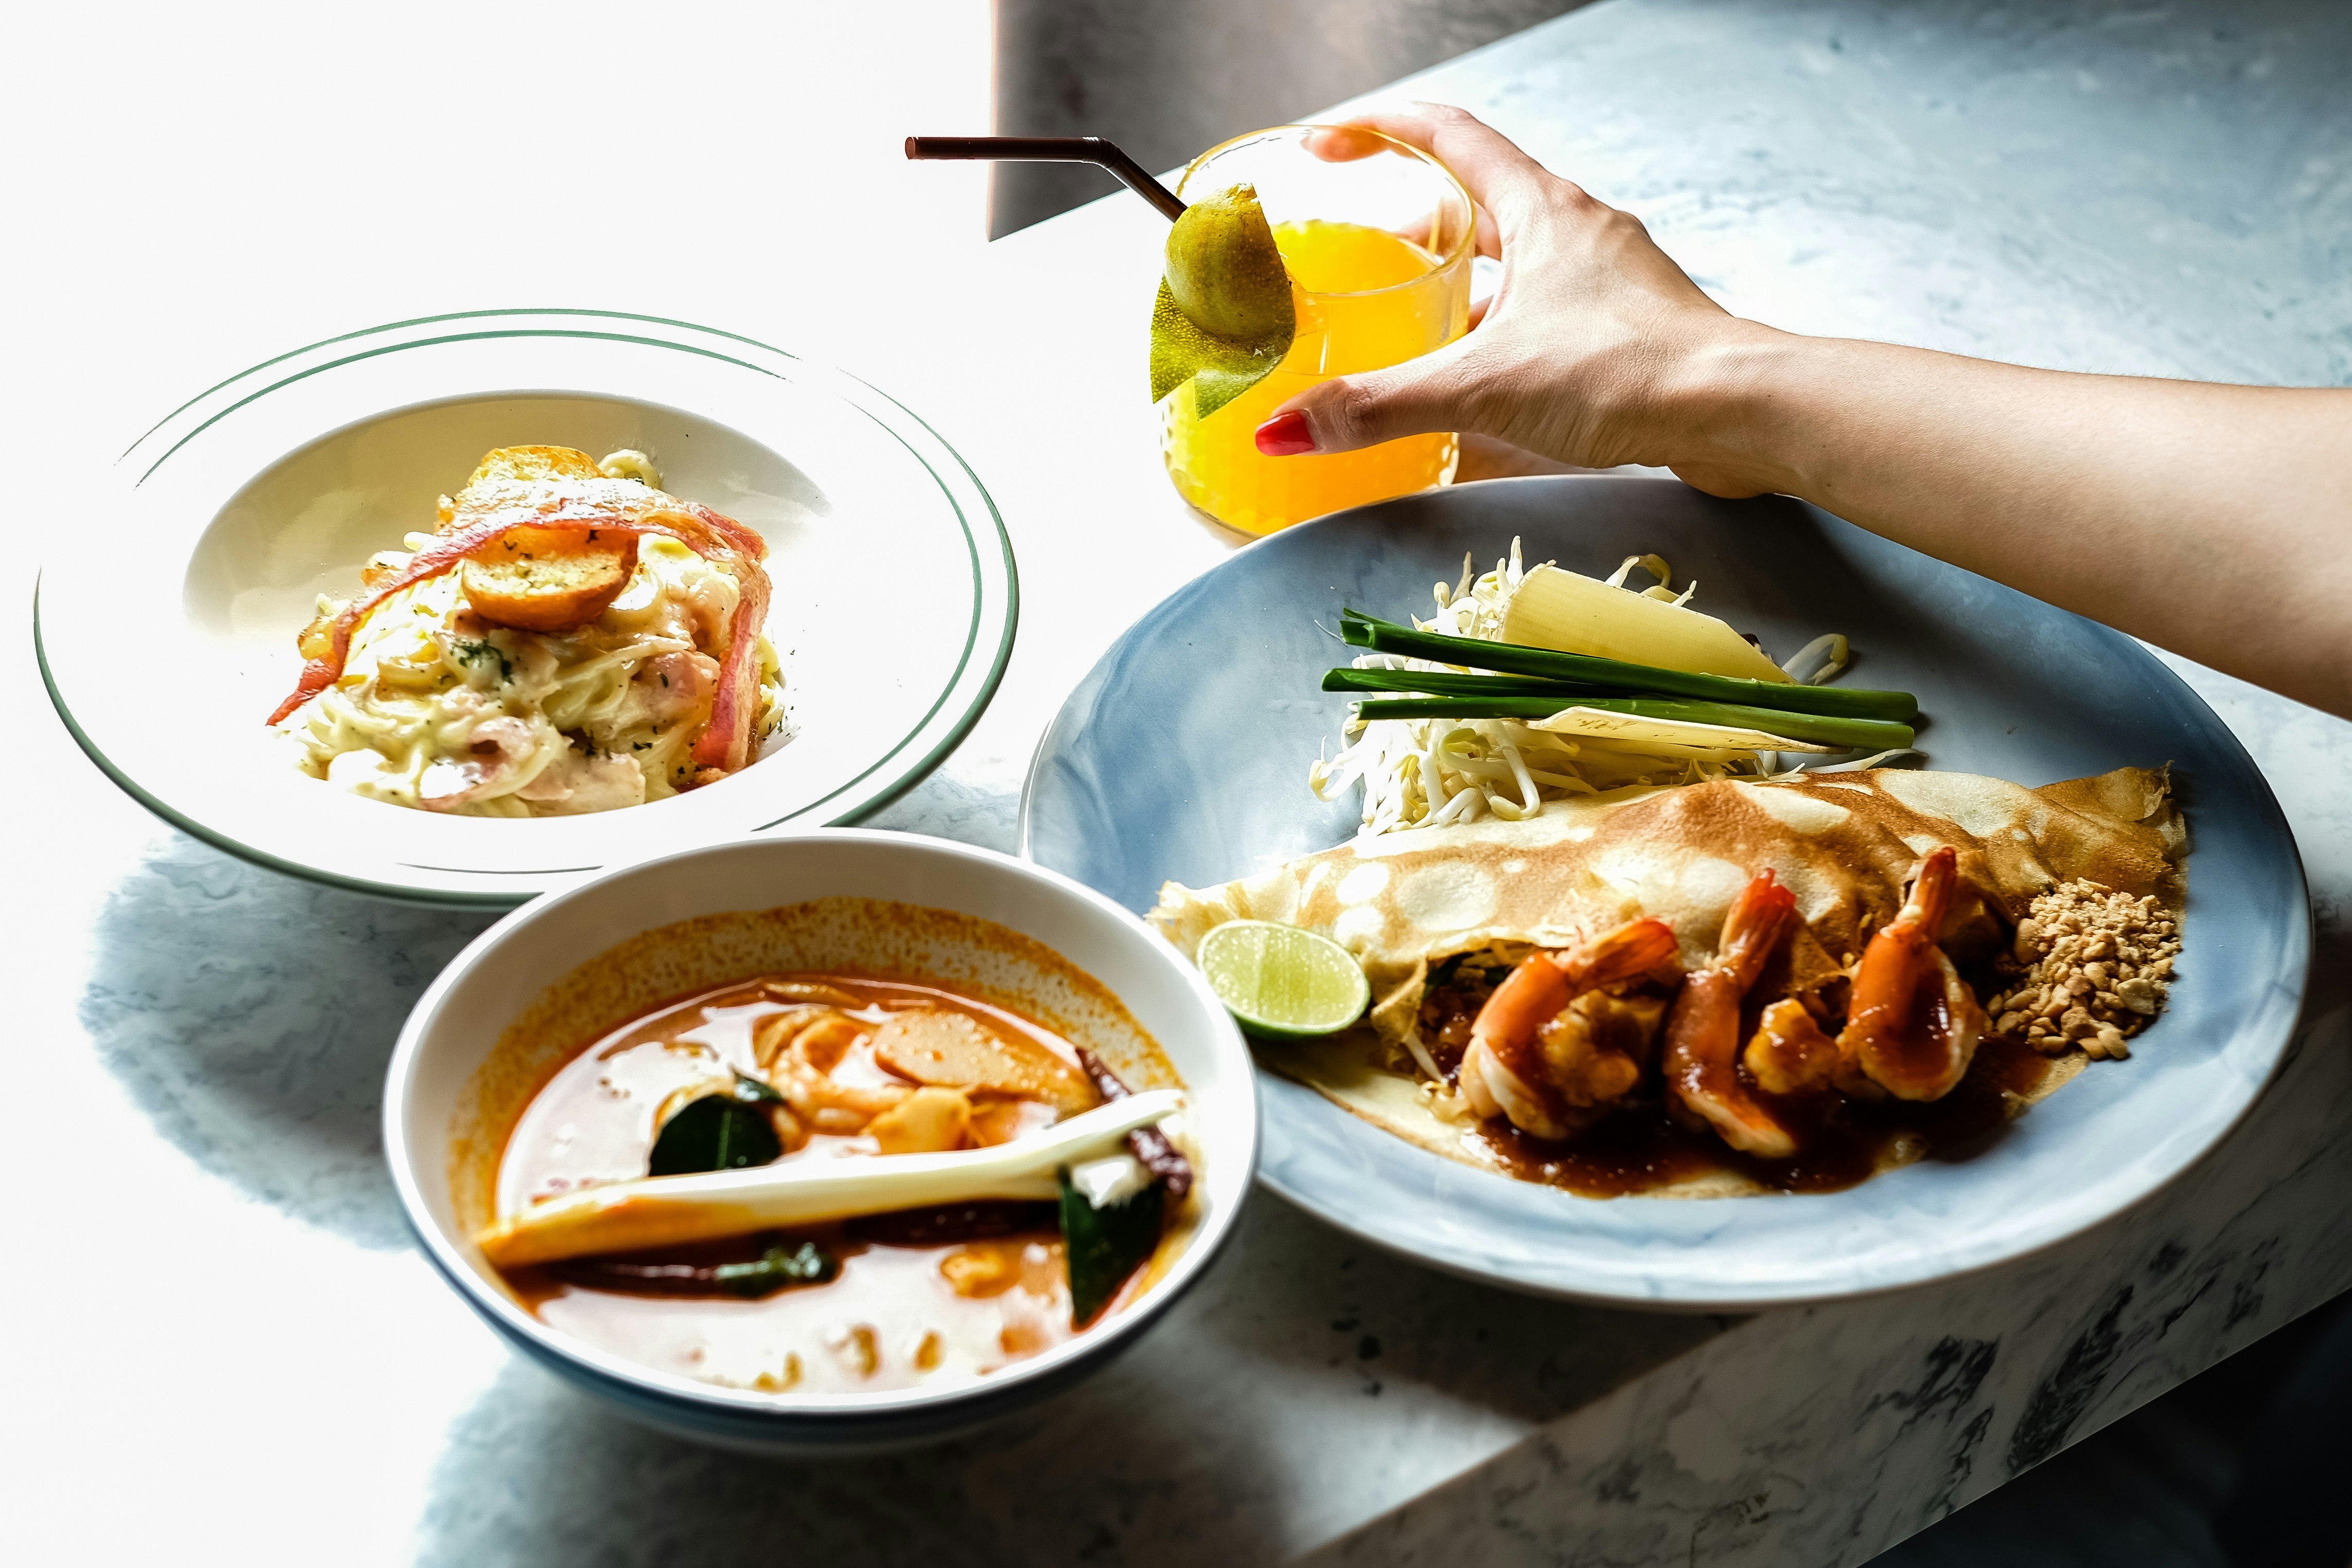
x,y
251,1015
1304,1381
2234,1468
2237,1468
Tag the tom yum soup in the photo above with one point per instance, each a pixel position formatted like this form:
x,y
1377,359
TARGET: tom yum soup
x,y
832,1184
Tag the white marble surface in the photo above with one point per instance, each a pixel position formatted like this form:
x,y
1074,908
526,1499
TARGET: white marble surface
x,y
233,1351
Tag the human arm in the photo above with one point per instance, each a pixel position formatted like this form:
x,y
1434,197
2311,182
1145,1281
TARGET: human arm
x,y
2213,520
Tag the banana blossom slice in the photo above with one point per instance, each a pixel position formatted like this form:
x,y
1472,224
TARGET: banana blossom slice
x,y
662,1211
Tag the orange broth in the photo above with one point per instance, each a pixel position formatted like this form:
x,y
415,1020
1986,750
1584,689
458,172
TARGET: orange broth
x,y
958,1294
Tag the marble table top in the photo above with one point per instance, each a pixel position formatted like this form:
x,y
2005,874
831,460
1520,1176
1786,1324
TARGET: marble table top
x,y
237,1352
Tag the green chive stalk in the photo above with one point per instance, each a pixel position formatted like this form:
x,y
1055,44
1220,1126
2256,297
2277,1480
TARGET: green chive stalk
x,y
1819,730
1587,672
1446,683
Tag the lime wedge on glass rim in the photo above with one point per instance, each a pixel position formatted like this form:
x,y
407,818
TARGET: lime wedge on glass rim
x,y
1224,317
1282,982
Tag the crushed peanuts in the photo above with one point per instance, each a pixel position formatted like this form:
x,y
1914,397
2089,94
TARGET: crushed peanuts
x,y
2098,965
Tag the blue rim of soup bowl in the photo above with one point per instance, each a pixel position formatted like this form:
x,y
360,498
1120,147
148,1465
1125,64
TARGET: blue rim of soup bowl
x,y
841,1424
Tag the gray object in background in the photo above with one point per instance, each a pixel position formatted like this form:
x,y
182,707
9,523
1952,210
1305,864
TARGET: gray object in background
x,y
1168,80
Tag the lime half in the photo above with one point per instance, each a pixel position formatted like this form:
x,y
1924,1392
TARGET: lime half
x,y
1281,980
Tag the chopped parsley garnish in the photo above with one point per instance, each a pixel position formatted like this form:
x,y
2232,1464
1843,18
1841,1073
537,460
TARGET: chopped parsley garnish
x,y
471,653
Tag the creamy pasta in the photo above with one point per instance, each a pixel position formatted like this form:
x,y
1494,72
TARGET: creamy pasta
x,y
438,709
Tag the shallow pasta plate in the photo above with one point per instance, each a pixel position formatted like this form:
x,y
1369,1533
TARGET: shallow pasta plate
x,y
1168,765
894,605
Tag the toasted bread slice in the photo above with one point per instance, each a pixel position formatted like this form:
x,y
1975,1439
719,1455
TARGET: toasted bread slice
x,y
503,468
548,579
512,464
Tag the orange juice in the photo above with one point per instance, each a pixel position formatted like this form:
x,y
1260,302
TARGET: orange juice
x,y
1366,299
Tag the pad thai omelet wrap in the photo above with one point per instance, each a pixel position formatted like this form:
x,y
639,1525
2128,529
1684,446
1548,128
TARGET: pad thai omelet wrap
x,y
1760,962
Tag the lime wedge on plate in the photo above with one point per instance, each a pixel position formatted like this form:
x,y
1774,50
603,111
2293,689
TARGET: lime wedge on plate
x,y
1282,981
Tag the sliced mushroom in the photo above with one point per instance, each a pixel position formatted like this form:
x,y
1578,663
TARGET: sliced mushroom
x,y
935,1046
928,1122
999,1119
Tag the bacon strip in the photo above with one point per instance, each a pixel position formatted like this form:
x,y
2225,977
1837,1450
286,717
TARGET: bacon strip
x,y
725,742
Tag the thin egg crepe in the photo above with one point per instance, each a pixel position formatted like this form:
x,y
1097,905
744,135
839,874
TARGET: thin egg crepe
x,y
1845,845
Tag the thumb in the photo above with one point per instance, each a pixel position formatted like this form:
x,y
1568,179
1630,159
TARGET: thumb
x,y
1417,397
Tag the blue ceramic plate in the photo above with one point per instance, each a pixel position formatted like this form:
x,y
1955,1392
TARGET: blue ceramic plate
x,y
1183,757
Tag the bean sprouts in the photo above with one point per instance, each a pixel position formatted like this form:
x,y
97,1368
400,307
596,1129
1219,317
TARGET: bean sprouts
x,y
1431,772
1830,651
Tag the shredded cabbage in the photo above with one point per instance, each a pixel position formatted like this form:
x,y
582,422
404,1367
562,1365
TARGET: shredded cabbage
x,y
1820,660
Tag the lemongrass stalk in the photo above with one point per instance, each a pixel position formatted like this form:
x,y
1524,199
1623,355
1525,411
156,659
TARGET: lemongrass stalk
x,y
663,1211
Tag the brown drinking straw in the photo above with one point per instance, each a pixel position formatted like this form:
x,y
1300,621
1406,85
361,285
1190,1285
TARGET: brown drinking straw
x,y
1052,150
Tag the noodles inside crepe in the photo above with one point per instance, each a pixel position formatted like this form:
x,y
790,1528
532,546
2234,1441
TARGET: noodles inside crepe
x,y
1844,844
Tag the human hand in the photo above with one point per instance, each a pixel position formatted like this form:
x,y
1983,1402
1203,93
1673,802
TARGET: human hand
x,y
1587,352
2158,507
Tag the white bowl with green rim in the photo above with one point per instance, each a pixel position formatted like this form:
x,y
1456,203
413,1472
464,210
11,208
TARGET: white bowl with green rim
x,y
894,606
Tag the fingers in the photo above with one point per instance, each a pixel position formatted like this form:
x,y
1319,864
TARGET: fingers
x,y
1414,399
1343,144
1489,164
1417,232
1491,168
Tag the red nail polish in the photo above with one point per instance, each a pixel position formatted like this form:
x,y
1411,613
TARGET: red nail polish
x,y
1285,436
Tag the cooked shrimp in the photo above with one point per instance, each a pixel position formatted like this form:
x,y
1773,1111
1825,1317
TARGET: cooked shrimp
x,y
1592,1052
1789,1052
669,687
1501,1070
1703,1031
1914,1024
496,749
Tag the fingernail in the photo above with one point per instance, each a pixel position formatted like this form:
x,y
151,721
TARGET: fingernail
x,y
1285,436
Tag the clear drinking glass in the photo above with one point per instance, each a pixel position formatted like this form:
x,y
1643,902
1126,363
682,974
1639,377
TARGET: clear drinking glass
x,y
1378,248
